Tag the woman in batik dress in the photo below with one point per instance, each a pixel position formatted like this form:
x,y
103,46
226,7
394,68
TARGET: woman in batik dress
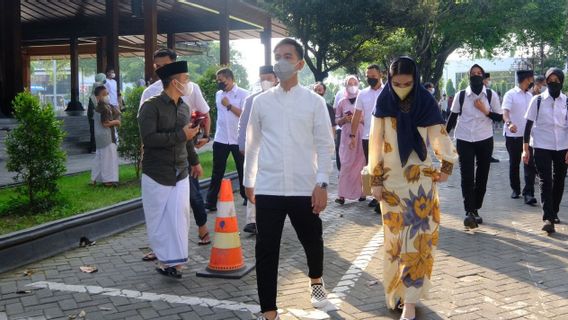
x,y
404,180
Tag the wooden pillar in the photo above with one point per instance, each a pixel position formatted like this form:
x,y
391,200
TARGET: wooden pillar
x,y
11,80
224,34
26,71
171,41
150,37
266,40
101,55
112,15
74,104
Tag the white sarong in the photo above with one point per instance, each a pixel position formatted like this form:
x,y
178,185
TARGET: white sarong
x,y
105,165
166,209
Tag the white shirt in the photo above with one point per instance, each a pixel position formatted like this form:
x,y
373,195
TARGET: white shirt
x,y
112,89
195,101
289,144
366,101
226,129
473,125
550,129
517,102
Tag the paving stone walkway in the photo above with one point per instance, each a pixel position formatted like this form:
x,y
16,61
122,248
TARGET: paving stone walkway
x,y
507,269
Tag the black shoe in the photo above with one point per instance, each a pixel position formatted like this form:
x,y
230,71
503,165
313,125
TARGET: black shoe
x,y
530,200
494,160
469,221
210,207
245,201
373,203
548,227
362,199
250,228
556,220
340,201
515,195
378,209
478,219
170,272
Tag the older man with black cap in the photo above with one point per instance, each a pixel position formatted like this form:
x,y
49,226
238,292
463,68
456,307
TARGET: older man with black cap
x,y
546,131
515,105
268,80
164,122
473,113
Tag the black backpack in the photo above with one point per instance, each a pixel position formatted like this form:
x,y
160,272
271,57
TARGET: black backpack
x,y
488,92
538,100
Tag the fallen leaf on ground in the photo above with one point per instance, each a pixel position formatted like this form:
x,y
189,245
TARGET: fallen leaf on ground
x,y
372,283
28,273
82,314
88,269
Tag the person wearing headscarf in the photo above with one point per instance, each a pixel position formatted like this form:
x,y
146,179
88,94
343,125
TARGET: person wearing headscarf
x,y
404,180
473,112
546,131
165,130
353,159
105,163
99,81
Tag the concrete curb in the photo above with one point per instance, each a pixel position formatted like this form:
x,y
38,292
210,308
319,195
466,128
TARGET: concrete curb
x,y
37,243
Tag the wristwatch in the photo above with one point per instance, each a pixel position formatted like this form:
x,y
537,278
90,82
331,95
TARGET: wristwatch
x,y
352,136
322,185
508,123
229,107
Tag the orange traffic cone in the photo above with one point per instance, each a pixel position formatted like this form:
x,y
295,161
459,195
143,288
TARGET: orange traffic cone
x,y
226,259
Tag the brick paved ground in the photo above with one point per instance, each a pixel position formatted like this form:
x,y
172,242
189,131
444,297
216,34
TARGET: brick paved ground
x,y
508,269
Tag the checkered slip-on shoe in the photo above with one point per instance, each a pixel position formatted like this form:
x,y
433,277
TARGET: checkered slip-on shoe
x,y
262,317
318,295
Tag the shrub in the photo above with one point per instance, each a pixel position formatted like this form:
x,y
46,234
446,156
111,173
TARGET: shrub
x,y
208,85
34,150
129,144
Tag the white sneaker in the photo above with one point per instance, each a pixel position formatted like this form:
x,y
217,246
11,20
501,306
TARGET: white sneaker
x,y
318,295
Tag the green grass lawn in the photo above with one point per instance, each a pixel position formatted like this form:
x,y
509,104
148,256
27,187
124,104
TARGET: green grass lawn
x,y
78,196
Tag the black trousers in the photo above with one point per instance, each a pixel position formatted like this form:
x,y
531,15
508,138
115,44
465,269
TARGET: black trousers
x,y
337,142
474,180
551,171
271,213
196,202
92,144
515,149
221,153
366,150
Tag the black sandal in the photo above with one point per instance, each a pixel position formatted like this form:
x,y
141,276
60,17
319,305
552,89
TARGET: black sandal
x,y
171,272
203,242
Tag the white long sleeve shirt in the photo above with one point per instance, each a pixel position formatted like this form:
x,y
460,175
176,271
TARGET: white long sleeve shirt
x,y
473,125
288,143
550,128
195,100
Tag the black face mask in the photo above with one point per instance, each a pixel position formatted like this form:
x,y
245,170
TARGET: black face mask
x,y
352,100
476,84
554,89
221,86
372,82
530,85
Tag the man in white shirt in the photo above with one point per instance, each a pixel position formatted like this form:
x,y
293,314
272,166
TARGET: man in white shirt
x,y
549,139
267,80
112,87
229,101
515,105
364,106
287,167
473,112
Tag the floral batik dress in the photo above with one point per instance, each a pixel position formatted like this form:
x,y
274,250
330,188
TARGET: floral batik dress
x,y
410,207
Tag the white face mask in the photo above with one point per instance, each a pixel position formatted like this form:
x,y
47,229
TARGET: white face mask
x,y
265,85
432,91
185,89
542,89
106,99
112,75
284,69
488,84
352,89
